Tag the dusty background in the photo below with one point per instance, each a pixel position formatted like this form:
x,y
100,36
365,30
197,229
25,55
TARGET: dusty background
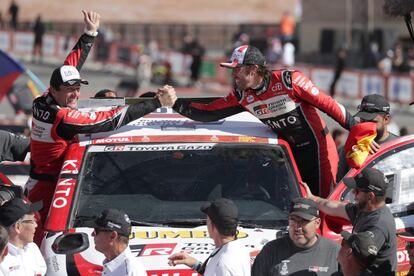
x,y
154,11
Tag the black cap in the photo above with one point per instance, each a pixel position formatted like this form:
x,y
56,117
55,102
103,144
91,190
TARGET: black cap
x,y
304,208
245,55
223,212
65,75
114,220
368,180
371,106
363,246
15,209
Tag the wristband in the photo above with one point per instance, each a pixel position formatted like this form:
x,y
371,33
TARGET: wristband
x,y
196,266
90,33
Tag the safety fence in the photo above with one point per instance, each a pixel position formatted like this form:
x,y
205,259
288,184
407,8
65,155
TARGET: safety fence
x,y
353,84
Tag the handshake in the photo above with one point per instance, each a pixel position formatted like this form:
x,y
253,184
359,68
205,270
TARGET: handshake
x,y
166,95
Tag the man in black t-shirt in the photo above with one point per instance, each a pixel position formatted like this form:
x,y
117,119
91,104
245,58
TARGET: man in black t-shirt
x,y
369,213
302,252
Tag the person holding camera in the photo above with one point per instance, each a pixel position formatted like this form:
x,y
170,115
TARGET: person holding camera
x,y
24,257
230,257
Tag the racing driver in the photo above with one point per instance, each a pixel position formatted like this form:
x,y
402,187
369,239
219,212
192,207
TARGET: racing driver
x,y
56,122
287,101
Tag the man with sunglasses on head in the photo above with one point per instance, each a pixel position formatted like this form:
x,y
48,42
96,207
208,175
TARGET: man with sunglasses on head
x,y
358,251
111,234
368,213
373,108
230,257
303,251
57,122
24,257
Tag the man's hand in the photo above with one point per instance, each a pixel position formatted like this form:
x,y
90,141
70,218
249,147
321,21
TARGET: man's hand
x,y
181,258
166,95
374,147
91,20
308,191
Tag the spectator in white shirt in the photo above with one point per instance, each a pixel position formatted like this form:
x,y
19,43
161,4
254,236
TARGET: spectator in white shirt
x,y
230,257
24,257
111,234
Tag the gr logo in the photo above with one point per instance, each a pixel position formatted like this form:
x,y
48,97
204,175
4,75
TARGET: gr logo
x,y
155,249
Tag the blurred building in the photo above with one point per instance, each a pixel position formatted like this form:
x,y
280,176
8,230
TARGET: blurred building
x,y
328,25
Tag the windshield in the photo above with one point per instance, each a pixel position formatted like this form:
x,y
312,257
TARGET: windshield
x,y
167,183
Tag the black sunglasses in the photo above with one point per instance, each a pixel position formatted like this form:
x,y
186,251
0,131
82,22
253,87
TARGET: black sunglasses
x,y
372,109
99,230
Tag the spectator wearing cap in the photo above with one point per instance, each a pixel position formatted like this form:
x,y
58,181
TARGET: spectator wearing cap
x,y
288,102
303,251
368,213
111,235
56,122
357,253
24,257
373,108
408,238
230,257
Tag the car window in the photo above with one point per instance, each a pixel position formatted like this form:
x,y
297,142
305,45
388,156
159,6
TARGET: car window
x,y
167,183
398,166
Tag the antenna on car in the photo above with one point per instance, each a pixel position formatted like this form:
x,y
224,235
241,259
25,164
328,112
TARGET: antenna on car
x,y
120,101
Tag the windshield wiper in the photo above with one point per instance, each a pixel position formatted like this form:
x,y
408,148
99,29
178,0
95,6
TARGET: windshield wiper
x,y
145,223
82,219
186,222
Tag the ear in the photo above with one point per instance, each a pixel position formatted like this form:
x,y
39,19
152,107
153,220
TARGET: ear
x,y
317,222
114,235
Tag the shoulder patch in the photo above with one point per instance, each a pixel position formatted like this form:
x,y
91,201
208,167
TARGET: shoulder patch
x,y
287,79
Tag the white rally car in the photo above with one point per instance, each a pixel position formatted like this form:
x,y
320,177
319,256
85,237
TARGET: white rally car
x,y
160,169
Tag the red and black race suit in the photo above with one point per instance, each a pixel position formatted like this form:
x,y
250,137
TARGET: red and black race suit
x,y
55,127
287,102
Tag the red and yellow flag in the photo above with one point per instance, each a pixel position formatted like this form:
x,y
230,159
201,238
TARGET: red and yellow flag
x,y
358,144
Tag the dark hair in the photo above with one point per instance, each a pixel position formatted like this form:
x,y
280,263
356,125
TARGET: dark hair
x,y
264,71
4,237
123,239
101,93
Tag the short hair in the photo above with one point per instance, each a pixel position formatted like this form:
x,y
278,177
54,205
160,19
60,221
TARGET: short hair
x,y
123,239
4,237
101,93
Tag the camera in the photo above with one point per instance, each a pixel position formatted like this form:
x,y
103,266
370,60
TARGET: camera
x,y
8,192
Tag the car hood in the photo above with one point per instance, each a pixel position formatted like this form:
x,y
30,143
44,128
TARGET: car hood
x,y
152,246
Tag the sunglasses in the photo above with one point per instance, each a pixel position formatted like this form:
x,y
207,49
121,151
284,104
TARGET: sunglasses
x,y
98,230
373,109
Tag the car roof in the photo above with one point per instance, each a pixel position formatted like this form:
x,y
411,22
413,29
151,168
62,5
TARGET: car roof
x,y
165,122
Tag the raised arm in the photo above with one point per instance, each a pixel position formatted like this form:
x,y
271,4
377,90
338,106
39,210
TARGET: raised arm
x,y
80,51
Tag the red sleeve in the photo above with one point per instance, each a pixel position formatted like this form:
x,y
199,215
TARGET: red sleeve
x,y
80,51
304,89
216,110
73,122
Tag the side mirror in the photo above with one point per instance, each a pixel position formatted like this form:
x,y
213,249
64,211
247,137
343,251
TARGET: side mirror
x,y
70,243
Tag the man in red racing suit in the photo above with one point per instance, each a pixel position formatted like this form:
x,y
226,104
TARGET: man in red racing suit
x,y
286,101
56,122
